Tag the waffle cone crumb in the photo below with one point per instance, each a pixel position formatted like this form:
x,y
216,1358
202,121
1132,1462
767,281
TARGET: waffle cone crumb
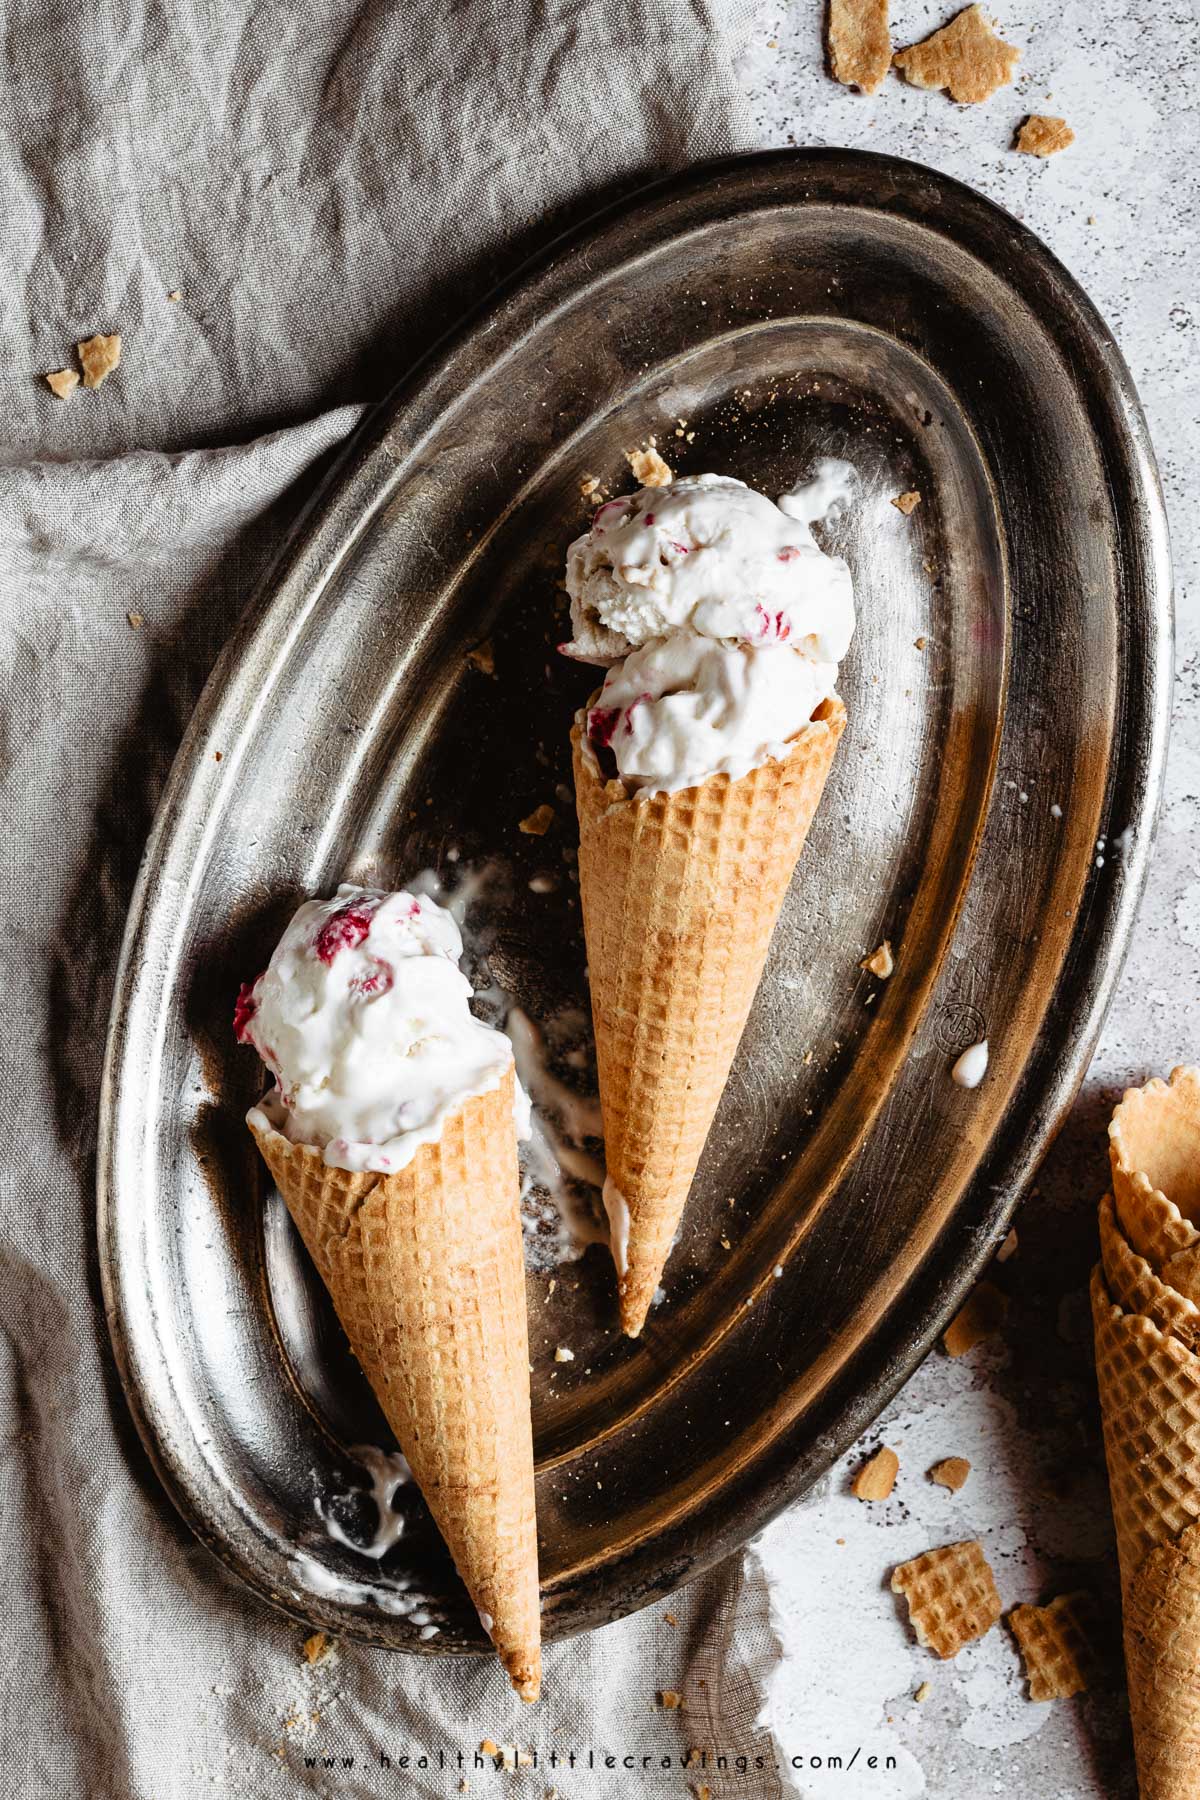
x,y
965,57
648,466
951,1472
877,1477
908,502
99,356
881,962
1042,136
951,1595
982,1316
860,48
1058,1645
63,382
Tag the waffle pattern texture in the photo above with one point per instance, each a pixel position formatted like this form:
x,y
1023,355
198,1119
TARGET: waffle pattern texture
x,y
951,1594
1057,1644
680,896
426,1273
1147,1328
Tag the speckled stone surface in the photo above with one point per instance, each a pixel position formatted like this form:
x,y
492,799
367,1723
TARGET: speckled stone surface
x,y
1121,208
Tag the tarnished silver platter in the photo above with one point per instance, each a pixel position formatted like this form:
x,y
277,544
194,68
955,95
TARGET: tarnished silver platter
x,y
785,307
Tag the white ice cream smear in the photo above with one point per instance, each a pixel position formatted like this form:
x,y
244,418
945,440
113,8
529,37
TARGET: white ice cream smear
x,y
363,1018
971,1066
389,1472
560,1175
617,1208
725,620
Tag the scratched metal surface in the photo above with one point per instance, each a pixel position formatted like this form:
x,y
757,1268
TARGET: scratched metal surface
x,y
786,306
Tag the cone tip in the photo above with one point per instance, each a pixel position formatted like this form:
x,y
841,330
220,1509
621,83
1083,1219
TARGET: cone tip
x,y
524,1669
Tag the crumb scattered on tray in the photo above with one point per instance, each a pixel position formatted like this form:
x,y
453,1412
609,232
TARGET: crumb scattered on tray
x,y
539,821
951,1596
63,382
1058,1645
982,1316
562,1354
1043,136
907,502
860,49
315,1649
590,488
881,962
99,357
965,57
648,466
877,1477
483,657
923,1692
670,1700
951,1472
1008,1247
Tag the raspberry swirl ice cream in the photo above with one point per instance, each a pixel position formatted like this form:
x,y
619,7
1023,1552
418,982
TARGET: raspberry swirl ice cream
x,y
363,1018
719,618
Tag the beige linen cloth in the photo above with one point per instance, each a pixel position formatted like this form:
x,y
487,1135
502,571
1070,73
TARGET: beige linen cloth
x,y
323,188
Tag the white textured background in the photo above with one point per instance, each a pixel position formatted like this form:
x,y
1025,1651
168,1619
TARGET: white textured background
x,y
1120,208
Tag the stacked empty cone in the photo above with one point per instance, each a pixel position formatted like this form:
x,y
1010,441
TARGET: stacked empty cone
x,y
1146,1312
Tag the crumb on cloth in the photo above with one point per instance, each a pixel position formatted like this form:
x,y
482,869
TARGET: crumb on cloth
x,y
951,1472
315,1649
1043,136
539,821
982,1316
877,1477
860,47
907,502
1058,1645
965,57
648,466
99,356
669,1700
63,383
951,1595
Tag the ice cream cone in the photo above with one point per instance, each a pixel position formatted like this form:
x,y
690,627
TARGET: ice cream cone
x,y
1147,1328
680,893
425,1270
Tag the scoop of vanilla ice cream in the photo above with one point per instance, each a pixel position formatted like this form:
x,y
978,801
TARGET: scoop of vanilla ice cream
x,y
711,555
363,1018
686,707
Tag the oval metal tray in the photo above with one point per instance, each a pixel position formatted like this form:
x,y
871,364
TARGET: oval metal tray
x,y
1011,665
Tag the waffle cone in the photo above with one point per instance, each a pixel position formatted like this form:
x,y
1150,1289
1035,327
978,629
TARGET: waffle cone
x,y
680,896
1154,1148
426,1274
1150,1405
1135,1287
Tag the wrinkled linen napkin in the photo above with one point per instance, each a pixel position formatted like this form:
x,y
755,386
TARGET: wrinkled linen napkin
x,y
278,208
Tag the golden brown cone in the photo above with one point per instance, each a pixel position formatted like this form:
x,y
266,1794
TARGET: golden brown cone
x,y
1150,1406
1154,1148
426,1272
680,896
1135,1287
